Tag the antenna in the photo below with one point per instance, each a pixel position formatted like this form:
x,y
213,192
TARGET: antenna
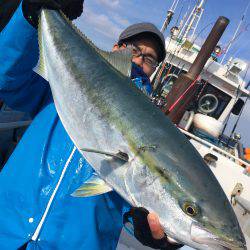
x,y
170,14
239,116
185,17
193,20
236,33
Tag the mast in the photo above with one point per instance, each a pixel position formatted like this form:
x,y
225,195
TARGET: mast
x,y
193,20
170,14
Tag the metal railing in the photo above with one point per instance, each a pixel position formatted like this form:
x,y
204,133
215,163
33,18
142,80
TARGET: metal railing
x,y
215,148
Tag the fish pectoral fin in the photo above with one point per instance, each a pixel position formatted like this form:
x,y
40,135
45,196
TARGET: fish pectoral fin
x,y
120,155
93,186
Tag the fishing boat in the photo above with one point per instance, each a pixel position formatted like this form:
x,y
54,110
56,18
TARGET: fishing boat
x,y
219,92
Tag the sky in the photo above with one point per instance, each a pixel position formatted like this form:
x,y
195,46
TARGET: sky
x,y
103,20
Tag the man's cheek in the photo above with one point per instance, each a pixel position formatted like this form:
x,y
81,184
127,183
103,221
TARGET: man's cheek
x,y
148,71
138,61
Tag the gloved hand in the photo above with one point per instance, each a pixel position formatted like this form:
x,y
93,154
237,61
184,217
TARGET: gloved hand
x,y
143,233
71,8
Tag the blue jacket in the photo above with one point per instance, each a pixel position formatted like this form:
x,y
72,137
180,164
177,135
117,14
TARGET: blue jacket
x,y
141,80
36,183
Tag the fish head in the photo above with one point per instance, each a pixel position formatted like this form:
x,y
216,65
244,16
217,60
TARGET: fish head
x,y
205,226
202,207
190,202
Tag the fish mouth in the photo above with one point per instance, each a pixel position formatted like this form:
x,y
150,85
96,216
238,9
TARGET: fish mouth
x,y
203,236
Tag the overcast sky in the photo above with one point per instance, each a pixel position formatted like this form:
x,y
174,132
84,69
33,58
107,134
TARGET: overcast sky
x,y
103,20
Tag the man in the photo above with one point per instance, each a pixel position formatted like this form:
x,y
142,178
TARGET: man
x,y
36,206
148,48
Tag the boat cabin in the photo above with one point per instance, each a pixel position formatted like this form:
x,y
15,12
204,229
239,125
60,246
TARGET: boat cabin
x,y
221,91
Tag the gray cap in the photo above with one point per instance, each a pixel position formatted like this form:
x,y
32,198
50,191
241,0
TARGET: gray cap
x,y
140,28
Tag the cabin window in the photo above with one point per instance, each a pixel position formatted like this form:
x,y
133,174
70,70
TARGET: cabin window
x,y
211,101
167,78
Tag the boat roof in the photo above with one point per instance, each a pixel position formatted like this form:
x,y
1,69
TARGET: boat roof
x,y
183,54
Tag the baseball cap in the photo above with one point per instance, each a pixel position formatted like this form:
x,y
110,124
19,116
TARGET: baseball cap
x,y
141,28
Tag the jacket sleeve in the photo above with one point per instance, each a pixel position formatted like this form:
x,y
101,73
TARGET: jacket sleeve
x,y
20,87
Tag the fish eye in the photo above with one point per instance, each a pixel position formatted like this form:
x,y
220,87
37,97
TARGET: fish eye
x,y
190,209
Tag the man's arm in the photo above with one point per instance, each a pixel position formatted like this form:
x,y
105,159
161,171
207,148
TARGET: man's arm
x,y
20,87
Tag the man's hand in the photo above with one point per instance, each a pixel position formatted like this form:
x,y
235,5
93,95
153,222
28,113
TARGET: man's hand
x,y
155,226
148,230
71,8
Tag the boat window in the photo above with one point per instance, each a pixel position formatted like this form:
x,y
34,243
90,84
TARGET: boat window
x,y
167,79
211,100
238,106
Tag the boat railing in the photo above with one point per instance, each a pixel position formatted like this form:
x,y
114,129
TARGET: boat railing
x,y
216,149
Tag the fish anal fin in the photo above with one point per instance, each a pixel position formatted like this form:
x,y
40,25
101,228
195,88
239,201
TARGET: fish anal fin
x,y
92,187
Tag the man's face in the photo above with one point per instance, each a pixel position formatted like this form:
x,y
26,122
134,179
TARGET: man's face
x,y
148,49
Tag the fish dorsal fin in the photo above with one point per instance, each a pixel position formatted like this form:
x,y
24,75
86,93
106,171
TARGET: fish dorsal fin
x,y
93,186
120,60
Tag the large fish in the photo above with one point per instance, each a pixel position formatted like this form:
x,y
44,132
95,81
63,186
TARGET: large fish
x,y
130,143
